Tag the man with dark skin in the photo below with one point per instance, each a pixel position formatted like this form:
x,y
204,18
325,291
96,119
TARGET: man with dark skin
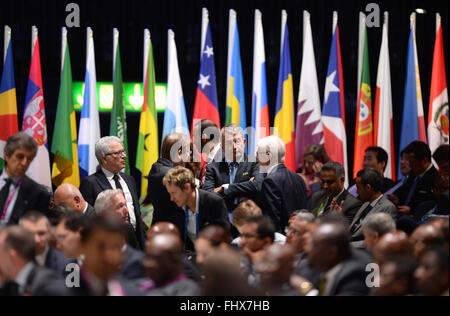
x,y
211,238
432,274
424,236
275,270
163,265
396,277
392,245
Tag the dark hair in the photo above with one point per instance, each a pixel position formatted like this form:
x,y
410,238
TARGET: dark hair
x,y
172,140
381,154
441,253
106,222
74,221
318,152
441,153
216,235
56,213
20,140
405,266
334,166
371,177
265,226
419,149
210,129
21,240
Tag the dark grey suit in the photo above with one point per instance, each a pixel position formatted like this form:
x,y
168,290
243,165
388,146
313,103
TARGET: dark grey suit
x,y
383,205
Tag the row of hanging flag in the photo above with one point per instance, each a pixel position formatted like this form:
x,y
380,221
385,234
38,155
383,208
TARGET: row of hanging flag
x,y
312,123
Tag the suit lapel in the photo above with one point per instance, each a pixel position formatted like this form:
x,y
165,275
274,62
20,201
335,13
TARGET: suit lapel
x,y
358,215
21,202
102,180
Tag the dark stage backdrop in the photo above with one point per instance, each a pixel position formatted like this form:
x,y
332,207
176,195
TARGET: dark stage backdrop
x,y
184,17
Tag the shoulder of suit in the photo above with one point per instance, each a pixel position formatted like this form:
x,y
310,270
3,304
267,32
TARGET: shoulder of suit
x,y
28,182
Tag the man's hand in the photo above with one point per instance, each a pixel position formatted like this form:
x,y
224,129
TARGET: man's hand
x,y
335,206
393,198
404,210
219,190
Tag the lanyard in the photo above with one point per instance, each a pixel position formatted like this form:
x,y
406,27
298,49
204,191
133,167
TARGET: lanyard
x,y
186,223
5,208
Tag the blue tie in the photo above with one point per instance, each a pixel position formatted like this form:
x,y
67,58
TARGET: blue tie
x,y
233,170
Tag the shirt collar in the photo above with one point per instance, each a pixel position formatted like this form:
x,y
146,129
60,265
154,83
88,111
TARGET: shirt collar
x,y
85,208
41,258
22,277
5,176
273,168
108,174
373,203
197,202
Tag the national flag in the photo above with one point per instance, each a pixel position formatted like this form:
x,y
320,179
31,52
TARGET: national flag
x,y
89,132
118,123
147,148
235,107
206,104
64,146
8,102
364,124
438,109
34,123
309,129
383,121
413,122
333,112
260,105
175,114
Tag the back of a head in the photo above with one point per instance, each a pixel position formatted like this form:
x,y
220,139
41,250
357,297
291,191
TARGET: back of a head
x,y
56,213
33,217
244,210
172,143
318,152
380,223
209,130
275,145
305,216
163,228
335,233
167,243
74,221
107,223
20,240
393,244
441,154
419,149
216,235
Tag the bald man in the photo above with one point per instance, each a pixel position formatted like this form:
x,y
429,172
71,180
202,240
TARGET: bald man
x,y
423,237
276,269
69,195
391,245
163,265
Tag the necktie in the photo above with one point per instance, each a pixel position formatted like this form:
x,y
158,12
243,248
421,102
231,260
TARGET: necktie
x,y
233,169
116,181
4,194
412,190
203,172
362,217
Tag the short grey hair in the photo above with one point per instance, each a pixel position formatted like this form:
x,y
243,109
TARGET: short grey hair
x,y
103,201
381,223
102,146
305,216
273,144
334,166
231,129
20,140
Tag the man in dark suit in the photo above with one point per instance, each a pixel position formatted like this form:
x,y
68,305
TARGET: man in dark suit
x,y
46,256
201,208
419,186
69,195
175,150
234,176
333,196
332,266
18,269
112,156
369,182
19,193
283,191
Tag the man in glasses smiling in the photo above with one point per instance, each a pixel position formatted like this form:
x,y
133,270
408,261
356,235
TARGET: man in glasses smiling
x,y
111,156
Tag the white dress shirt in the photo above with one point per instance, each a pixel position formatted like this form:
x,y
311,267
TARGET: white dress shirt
x,y
192,223
40,259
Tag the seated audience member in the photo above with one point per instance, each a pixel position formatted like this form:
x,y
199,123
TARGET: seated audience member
x,y
102,240
247,209
443,225
164,209
397,277
425,236
276,269
333,196
18,192
432,273
21,275
113,202
392,245
54,215
295,234
201,208
333,266
46,256
283,191
189,268
69,195
223,275
418,187
376,158
439,206
375,226
441,156
369,182
235,176
405,171
163,265
111,157
68,235
210,238
314,157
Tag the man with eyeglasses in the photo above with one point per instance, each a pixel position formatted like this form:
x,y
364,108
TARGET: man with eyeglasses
x,y
111,156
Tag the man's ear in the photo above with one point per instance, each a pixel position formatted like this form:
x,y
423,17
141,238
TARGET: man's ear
x,y
77,199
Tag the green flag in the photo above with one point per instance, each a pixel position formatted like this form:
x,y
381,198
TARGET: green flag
x,y
118,125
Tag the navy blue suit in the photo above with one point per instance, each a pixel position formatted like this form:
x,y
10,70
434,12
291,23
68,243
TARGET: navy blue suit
x,y
57,261
132,268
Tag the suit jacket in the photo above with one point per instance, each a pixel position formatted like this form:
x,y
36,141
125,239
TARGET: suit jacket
x,y
218,173
96,183
132,267
383,206
349,209
57,261
282,193
349,281
422,192
44,282
32,196
90,211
